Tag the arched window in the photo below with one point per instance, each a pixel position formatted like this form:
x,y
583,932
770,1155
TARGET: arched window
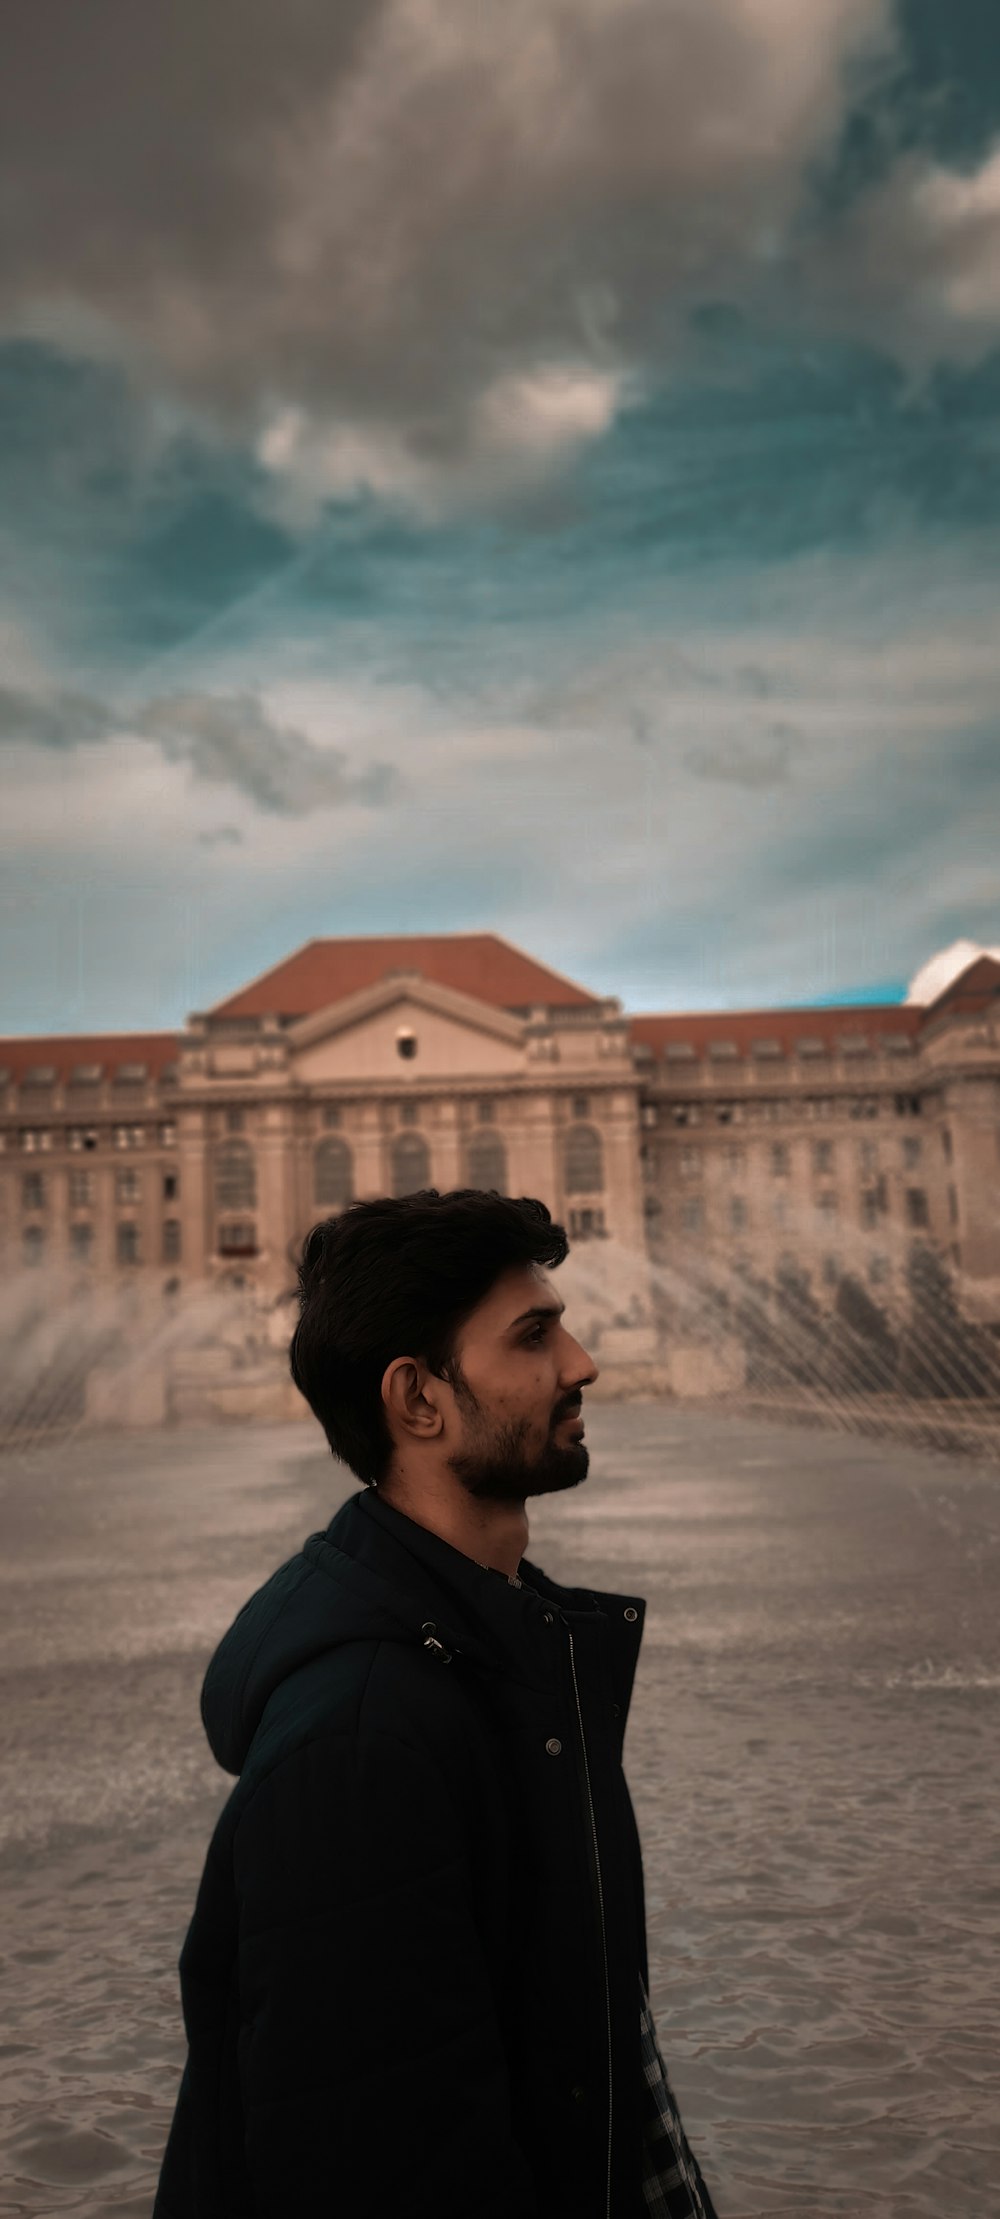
x,y
333,1174
486,1162
235,1177
411,1163
584,1167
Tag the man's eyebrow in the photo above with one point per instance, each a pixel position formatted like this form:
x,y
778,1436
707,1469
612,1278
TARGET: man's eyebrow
x,y
539,1310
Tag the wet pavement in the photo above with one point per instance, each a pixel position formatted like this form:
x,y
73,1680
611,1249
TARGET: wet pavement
x,y
812,1752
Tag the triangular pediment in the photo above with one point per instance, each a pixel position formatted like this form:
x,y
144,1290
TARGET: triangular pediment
x,y
359,1038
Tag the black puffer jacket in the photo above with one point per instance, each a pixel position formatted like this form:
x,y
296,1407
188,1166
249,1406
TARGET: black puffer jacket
x,y
410,1981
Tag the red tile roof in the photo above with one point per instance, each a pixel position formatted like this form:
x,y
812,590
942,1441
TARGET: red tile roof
x,y
63,1051
786,1026
475,963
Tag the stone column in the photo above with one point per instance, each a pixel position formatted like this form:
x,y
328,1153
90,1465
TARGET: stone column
x,y
371,1162
274,1154
622,1171
973,1111
532,1137
195,1203
443,1134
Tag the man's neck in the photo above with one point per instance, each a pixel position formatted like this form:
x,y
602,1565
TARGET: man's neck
x,y
493,1534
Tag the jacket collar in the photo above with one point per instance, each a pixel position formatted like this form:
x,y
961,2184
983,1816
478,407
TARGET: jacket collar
x,y
480,1612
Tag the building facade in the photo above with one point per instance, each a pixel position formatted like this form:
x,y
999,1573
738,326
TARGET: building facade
x,y
829,1138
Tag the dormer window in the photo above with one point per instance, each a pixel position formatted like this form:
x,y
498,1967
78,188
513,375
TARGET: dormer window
x,y
406,1043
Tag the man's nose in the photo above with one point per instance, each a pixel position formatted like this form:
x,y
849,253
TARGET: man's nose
x,y
579,1368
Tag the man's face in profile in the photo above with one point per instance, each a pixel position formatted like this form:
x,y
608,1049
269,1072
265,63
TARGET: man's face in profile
x,y
518,1393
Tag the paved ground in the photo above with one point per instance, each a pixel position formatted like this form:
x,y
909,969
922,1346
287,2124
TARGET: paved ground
x,y
812,1753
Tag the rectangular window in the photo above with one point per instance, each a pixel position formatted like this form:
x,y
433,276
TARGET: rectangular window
x,y
831,1270
917,1213
911,1154
692,1214
868,1156
235,1120
33,1190
878,1269
128,1186
171,1245
167,1135
33,1244
82,1137
581,1105
409,1113
866,1105
331,1113
736,1157
128,1136
171,1185
739,1216
486,1112
779,1212
869,1210
238,1237
127,1241
81,1242
780,1164
30,1140
690,1163
586,1224
952,1206
827,1202
81,1189
946,1143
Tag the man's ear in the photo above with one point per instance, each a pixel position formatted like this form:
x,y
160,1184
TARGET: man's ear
x,y
411,1401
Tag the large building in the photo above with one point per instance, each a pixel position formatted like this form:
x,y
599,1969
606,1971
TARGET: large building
x,y
365,1066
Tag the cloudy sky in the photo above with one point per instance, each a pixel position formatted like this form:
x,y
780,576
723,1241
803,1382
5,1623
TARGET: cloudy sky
x,y
531,468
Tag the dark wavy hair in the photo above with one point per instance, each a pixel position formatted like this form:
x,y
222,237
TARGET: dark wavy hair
x,y
399,1277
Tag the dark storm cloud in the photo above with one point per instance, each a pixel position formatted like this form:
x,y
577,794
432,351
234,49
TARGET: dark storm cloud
x,y
386,210
226,739
760,760
53,720
229,740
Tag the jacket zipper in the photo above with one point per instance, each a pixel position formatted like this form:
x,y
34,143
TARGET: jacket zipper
x,y
600,1899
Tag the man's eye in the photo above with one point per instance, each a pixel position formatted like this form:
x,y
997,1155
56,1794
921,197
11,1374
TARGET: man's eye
x,y
531,1340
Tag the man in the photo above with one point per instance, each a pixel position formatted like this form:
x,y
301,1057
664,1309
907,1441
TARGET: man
x,y
415,1983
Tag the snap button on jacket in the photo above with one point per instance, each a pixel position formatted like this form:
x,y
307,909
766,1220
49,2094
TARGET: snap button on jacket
x,y
409,1985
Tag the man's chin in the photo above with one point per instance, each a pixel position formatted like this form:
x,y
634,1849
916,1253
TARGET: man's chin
x,y
552,1475
562,1468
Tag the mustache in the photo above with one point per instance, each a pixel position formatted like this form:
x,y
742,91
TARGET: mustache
x,y
570,1407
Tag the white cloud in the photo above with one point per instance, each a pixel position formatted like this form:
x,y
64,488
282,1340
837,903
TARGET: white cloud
x,y
916,265
545,411
692,809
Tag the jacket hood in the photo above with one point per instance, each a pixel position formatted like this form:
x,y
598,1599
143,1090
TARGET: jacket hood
x,y
374,1575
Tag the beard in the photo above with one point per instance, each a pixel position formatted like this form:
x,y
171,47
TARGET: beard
x,y
500,1465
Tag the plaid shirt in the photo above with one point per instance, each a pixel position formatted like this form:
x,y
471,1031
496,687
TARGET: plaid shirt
x,y
672,2186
